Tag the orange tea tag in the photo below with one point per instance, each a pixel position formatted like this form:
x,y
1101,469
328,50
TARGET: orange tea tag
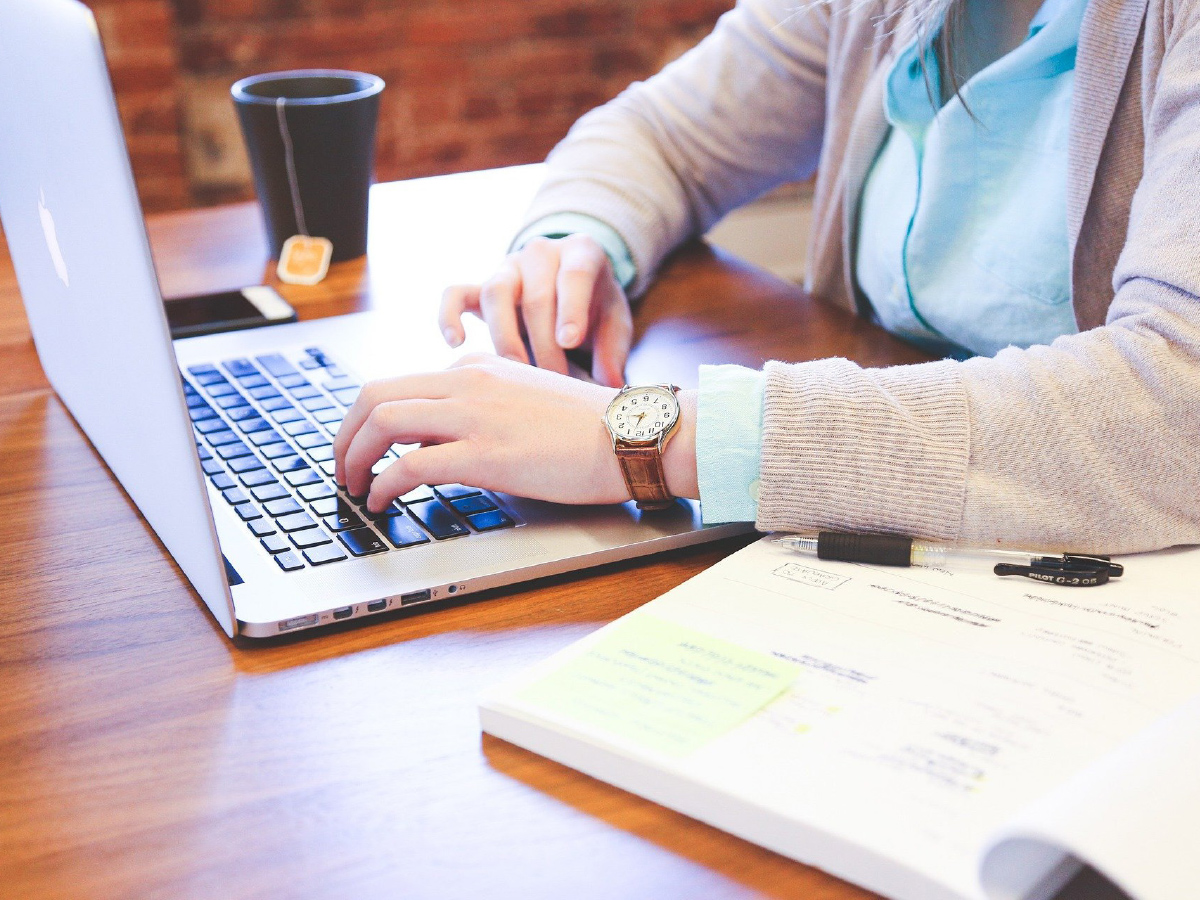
x,y
304,260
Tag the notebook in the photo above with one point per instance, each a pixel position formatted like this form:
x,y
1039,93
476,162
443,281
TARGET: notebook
x,y
927,734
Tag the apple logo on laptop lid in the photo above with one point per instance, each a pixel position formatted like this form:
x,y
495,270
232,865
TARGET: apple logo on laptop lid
x,y
56,254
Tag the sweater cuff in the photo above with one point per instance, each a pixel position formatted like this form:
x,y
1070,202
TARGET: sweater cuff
x,y
728,438
851,449
559,225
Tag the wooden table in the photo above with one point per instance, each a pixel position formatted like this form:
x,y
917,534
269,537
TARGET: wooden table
x,y
144,755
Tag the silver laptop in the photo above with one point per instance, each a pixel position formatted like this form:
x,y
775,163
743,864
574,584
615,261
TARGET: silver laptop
x,y
223,441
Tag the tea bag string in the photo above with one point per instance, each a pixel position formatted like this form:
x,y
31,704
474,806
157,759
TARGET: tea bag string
x,y
289,159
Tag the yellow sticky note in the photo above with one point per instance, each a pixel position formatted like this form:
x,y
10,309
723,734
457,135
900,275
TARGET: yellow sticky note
x,y
661,685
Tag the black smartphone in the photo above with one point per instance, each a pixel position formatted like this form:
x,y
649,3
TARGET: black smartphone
x,y
248,307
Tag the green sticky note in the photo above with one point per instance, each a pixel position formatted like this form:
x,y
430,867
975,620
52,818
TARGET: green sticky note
x,y
663,686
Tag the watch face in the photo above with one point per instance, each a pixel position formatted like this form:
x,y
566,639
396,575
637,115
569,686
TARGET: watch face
x,y
643,414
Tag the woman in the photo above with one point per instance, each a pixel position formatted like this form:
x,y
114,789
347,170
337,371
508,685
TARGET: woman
x,y
1032,218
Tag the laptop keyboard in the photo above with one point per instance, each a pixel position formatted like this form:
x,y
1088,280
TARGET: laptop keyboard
x,y
264,429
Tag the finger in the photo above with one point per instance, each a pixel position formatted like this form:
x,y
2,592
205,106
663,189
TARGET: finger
x,y
438,464
539,268
428,386
456,300
397,422
582,264
614,337
498,299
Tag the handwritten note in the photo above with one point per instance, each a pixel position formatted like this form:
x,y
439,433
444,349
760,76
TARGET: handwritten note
x,y
661,685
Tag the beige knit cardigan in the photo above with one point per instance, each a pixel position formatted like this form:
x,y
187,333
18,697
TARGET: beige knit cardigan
x,y
1090,443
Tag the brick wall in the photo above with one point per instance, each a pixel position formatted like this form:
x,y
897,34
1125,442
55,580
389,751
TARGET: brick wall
x,y
471,83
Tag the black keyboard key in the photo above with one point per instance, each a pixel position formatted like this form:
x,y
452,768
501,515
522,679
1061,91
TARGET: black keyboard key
x,y
233,450
291,463
289,561
329,417
250,426
291,414
488,521
244,464
261,527
239,367
276,543
438,520
201,369
328,467
200,413
222,482
313,439
266,436
276,451
252,381
208,426
362,542
271,404
316,491
299,427
264,392
284,506
454,491
310,364
347,396
257,478
392,509
220,389
220,438
276,365
303,391
211,467
417,494
238,413
266,492
326,553
312,404
213,377
327,506
322,453
401,531
195,401
231,401
295,522
234,496
468,506
310,537
204,452
306,476
293,380
248,511
342,520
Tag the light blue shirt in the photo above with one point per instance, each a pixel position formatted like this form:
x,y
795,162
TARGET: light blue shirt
x,y
962,234
962,240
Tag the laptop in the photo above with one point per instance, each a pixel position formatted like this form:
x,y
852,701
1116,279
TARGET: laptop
x,y
223,441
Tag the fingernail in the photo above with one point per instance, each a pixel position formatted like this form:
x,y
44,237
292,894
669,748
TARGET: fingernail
x,y
451,337
568,335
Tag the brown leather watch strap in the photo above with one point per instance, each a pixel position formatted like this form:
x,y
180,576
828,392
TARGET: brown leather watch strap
x,y
644,476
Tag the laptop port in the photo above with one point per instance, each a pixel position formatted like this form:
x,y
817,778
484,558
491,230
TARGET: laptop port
x,y
377,606
344,613
298,622
415,597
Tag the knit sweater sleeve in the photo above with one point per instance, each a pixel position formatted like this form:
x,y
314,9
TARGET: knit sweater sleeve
x,y
1090,443
738,114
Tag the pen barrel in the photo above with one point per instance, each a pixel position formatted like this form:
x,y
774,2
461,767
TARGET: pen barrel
x,y
878,549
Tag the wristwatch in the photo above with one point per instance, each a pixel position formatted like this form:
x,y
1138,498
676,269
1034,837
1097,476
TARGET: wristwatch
x,y
641,419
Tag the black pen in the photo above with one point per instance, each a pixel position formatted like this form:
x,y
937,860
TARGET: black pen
x,y
1068,569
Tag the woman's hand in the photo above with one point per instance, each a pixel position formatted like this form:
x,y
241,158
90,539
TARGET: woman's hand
x,y
495,424
560,293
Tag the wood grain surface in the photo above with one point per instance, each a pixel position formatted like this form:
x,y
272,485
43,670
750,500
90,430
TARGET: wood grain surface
x,y
144,755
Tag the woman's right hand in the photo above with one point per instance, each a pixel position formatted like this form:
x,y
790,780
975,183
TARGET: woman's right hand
x,y
561,294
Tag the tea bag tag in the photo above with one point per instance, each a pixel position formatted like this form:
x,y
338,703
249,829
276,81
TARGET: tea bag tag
x,y
304,259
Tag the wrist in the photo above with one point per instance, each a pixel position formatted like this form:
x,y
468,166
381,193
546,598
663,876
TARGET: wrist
x,y
679,455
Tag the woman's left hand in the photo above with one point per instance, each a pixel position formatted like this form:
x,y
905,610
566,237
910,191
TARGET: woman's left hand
x,y
486,422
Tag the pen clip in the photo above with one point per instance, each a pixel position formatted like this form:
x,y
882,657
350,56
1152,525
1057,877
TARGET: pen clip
x,y
1066,570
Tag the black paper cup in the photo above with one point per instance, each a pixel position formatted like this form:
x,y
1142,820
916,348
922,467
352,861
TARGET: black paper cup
x,y
329,118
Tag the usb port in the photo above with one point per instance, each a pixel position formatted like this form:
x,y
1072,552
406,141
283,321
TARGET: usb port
x,y
415,597
344,613
377,606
